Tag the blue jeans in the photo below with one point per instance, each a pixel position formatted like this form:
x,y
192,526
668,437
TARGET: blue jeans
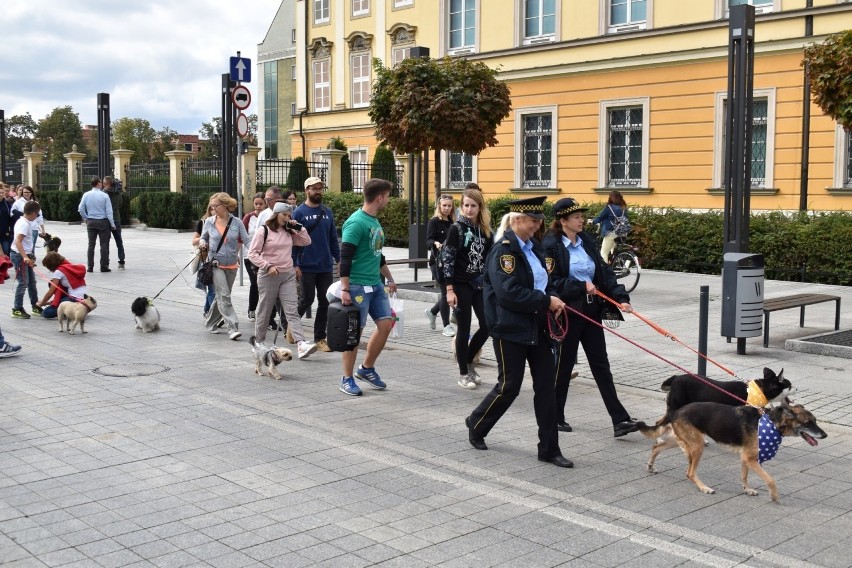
x,y
49,312
210,298
116,234
375,303
25,277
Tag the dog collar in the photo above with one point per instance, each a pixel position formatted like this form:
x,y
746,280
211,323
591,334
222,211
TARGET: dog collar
x,y
768,439
756,396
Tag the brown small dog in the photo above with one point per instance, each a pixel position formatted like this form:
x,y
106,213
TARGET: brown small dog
x,y
75,313
268,358
740,428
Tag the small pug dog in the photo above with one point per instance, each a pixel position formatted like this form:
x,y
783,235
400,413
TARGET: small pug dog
x,y
146,315
75,313
267,359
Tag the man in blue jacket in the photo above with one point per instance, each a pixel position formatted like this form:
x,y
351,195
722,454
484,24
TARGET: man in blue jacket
x,y
314,263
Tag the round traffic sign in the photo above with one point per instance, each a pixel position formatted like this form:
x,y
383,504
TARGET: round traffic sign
x,y
241,97
242,125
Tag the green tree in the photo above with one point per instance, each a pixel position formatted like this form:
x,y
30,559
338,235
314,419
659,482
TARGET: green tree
x,y
298,174
58,132
20,133
210,136
165,142
384,166
829,67
135,134
337,143
446,104
252,130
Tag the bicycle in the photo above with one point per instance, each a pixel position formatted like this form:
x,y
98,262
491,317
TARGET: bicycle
x,y
625,264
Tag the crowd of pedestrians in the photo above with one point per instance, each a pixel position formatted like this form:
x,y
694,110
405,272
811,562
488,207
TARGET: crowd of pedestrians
x,y
516,280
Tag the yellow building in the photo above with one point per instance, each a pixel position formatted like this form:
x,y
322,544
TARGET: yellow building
x,y
606,94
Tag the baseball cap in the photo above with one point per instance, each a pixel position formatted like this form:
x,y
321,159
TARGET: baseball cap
x,y
313,180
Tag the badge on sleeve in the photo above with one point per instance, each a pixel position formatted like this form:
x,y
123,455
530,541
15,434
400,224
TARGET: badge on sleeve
x,y
548,264
507,263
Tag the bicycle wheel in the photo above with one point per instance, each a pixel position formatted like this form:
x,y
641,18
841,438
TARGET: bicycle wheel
x,y
627,269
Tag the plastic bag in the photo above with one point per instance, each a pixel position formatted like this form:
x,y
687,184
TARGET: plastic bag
x,y
398,312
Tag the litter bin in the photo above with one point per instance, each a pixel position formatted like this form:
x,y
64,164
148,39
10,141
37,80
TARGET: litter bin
x,y
742,295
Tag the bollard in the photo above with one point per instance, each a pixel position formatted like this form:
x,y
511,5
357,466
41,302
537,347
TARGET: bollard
x,y
703,322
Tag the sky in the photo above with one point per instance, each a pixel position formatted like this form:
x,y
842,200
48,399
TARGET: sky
x,y
159,60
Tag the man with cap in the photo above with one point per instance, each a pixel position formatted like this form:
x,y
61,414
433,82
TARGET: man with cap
x,y
518,297
315,262
96,210
577,271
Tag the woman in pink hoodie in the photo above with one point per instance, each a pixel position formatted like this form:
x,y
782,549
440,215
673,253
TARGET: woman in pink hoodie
x,y
67,283
271,251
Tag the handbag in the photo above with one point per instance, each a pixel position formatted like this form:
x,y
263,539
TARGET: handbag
x,y
205,269
397,306
198,256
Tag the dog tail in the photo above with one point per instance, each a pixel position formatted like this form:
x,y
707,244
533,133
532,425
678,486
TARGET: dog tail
x,y
667,384
659,429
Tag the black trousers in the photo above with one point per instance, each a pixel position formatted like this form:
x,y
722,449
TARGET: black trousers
x,y
441,305
315,285
98,229
581,331
469,302
511,362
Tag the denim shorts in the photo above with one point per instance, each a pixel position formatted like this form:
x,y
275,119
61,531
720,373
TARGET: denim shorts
x,y
375,303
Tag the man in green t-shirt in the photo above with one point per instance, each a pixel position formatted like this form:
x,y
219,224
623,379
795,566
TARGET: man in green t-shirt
x,y
361,267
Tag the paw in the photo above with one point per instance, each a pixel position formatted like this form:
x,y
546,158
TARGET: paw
x,y
708,490
83,331
651,468
750,492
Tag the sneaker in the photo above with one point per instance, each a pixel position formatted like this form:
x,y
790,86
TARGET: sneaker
x,y
289,336
371,376
251,315
214,330
466,382
107,269
121,265
37,310
449,331
473,375
431,317
90,269
9,350
20,313
348,386
322,345
305,349
234,335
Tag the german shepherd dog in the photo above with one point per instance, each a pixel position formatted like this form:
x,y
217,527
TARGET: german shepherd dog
x,y
736,427
684,389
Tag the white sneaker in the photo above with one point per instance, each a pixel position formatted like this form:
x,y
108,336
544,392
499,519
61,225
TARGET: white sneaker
x,y
234,335
431,317
465,382
473,375
449,331
305,349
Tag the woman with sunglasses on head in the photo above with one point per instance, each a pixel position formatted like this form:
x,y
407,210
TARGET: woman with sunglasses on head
x,y
577,271
436,234
222,236
463,256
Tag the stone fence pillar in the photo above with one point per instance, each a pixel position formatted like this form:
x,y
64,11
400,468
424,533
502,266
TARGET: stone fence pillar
x,y
74,159
334,159
407,166
121,159
34,159
250,177
176,158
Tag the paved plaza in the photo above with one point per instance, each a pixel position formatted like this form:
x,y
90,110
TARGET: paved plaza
x,y
119,448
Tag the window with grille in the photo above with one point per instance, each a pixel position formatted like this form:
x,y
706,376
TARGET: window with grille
x,y
360,79
847,176
538,150
762,139
459,169
539,19
321,13
322,86
625,127
462,26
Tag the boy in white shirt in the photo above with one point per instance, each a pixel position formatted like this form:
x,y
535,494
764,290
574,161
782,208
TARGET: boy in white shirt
x,y
23,259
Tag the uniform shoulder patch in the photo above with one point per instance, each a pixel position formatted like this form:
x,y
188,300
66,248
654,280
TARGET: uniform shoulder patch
x,y
548,264
507,263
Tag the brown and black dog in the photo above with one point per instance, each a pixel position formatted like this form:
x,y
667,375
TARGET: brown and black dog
x,y
737,427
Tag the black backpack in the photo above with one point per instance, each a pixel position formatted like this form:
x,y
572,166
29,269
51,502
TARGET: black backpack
x,y
343,332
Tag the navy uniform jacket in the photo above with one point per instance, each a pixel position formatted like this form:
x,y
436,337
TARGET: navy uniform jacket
x,y
573,292
514,309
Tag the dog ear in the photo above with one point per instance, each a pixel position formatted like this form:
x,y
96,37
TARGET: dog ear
x,y
768,373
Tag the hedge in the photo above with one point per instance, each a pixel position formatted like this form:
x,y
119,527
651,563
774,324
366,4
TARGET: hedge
x,y
164,209
61,205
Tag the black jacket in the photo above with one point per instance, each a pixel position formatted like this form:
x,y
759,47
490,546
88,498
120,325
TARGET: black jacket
x,y
573,292
514,309
464,252
436,232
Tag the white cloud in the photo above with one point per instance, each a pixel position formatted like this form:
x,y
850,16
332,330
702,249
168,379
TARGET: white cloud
x,y
160,60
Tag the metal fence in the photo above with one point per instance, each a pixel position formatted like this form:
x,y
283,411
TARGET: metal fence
x,y
362,171
141,178
50,177
13,173
201,179
276,172
85,172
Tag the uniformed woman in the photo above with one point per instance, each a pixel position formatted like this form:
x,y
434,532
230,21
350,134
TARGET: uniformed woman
x,y
577,270
518,297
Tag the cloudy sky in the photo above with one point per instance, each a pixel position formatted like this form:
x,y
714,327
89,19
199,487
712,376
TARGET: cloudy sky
x,y
161,60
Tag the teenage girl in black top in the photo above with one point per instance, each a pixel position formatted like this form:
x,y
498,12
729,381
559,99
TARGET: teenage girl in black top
x,y
436,234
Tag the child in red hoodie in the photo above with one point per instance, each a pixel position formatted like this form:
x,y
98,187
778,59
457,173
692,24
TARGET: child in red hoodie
x,y
67,283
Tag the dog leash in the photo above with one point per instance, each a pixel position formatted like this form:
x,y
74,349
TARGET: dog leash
x,y
666,333
557,325
175,276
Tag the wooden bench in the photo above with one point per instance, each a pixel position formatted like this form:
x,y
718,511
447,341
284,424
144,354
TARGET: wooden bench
x,y
797,301
415,261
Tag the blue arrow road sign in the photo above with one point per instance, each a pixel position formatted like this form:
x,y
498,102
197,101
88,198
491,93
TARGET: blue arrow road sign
x,y
241,69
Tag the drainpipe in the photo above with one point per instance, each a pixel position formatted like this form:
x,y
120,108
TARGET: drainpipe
x,y
307,81
301,132
806,119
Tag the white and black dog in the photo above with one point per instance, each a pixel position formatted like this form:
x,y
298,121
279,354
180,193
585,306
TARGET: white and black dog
x,y
267,359
146,315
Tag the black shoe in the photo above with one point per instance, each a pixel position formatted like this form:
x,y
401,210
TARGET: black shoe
x,y
624,428
558,460
564,427
90,269
475,439
106,269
